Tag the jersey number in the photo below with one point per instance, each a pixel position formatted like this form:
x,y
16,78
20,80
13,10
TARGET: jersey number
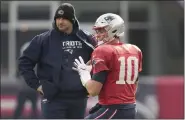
x,y
128,68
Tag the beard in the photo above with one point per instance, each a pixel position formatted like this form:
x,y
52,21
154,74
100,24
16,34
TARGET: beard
x,y
63,28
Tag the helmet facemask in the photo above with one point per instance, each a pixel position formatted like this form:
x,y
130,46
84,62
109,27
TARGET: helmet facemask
x,y
102,35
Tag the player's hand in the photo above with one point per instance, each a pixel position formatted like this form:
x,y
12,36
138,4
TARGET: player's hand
x,y
89,62
83,70
87,66
39,89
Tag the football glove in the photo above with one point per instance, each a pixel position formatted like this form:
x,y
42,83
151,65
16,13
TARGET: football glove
x,y
83,70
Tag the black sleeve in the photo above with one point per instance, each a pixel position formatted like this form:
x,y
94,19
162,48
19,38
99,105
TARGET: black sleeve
x,y
28,60
100,76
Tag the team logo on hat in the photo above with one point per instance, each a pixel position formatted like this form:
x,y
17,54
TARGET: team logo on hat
x,y
60,12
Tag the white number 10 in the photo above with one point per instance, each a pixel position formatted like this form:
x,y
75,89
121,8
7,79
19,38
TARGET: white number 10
x,y
130,67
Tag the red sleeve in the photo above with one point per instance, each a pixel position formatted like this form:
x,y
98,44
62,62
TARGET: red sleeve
x,y
99,60
140,61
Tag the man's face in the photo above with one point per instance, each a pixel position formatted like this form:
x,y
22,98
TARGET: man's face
x,y
63,24
101,35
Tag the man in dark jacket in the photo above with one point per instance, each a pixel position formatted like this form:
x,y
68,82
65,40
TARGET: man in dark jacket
x,y
54,52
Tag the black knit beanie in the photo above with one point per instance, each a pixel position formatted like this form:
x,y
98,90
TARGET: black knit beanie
x,y
66,11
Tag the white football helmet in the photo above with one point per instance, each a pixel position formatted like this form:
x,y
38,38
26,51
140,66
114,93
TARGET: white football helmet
x,y
107,27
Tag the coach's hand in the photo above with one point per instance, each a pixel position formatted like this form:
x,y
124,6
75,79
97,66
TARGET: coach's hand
x,y
83,70
39,89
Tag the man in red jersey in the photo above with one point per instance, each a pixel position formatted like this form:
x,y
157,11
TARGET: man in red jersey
x,y
115,69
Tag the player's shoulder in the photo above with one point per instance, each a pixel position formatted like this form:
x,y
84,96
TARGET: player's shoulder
x,y
103,49
132,46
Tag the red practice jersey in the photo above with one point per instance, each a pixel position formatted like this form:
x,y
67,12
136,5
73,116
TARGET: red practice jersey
x,y
123,62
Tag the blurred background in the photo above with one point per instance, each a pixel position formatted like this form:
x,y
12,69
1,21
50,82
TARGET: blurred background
x,y
157,27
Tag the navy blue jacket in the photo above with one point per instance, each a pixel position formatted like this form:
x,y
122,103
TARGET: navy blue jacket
x,y
45,52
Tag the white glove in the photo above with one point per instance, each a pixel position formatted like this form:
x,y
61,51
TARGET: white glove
x,y
86,67
89,67
83,70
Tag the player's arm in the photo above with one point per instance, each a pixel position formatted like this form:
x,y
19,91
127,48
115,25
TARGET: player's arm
x,y
94,85
99,70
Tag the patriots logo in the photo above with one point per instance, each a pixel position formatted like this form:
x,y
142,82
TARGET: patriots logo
x,y
69,50
109,18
